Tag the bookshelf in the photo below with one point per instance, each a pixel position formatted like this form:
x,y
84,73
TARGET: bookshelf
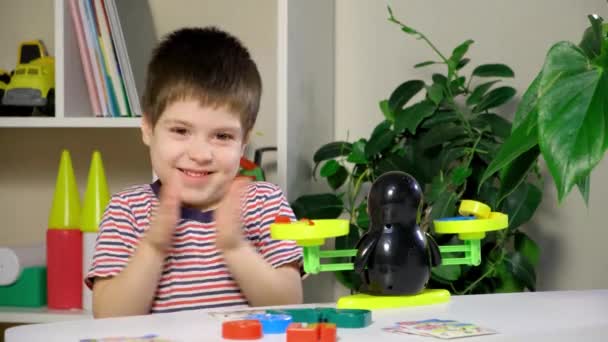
x,y
68,122
292,42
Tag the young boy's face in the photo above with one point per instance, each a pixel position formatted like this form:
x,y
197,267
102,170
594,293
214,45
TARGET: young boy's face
x,y
204,144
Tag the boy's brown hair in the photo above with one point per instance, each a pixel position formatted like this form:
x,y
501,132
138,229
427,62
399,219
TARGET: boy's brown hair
x,y
206,64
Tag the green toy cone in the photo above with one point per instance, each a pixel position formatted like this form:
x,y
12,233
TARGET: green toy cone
x,y
96,197
65,210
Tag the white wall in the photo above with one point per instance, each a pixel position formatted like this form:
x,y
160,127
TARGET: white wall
x,y
13,18
373,56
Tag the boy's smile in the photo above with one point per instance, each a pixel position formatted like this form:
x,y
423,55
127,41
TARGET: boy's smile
x,y
198,146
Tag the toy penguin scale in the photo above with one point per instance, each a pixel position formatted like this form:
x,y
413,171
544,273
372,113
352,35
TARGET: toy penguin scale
x,y
395,256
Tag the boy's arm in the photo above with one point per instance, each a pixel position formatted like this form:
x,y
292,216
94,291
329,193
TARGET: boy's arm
x,y
131,292
260,282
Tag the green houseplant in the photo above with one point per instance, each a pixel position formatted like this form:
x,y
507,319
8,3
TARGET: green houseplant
x,y
454,144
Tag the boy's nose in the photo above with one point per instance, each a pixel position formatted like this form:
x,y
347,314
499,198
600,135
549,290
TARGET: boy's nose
x,y
200,153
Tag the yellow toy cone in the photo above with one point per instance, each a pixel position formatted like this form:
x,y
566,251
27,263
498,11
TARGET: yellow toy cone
x,y
96,197
65,210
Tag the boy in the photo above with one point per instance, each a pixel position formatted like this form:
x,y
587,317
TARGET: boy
x,y
198,237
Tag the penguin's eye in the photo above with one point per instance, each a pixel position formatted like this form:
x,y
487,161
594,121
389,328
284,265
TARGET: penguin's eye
x,y
388,226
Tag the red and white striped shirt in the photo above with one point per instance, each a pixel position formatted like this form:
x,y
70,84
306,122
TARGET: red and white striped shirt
x,y
195,275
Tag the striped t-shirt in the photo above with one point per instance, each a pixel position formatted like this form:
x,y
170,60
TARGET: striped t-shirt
x,y
195,275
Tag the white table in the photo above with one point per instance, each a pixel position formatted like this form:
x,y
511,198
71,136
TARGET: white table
x,y
541,316
9,314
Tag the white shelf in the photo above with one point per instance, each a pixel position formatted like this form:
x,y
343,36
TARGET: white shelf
x,y
40,315
44,122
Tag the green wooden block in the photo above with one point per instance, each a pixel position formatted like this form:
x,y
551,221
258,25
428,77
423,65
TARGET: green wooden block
x,y
29,290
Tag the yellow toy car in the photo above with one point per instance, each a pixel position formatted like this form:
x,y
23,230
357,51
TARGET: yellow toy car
x,y
33,81
5,78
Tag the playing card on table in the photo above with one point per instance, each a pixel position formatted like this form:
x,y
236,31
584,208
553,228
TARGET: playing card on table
x,y
234,315
444,329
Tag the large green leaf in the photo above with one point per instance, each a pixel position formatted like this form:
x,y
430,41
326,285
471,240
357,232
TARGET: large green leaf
x,y
440,79
435,93
381,128
488,193
479,91
460,175
480,125
437,187
528,106
583,187
521,204
445,206
463,62
516,172
457,85
403,94
521,268
591,43
507,282
391,162
493,70
382,137
527,247
487,149
362,217
338,178
571,116
318,206
495,98
386,111
500,126
460,51
446,273
411,116
450,155
329,168
332,150
357,154
521,140
440,117
440,134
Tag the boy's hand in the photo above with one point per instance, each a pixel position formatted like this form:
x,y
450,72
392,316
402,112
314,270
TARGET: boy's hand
x,y
160,233
228,219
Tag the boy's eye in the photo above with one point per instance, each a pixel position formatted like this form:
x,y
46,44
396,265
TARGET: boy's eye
x,y
179,130
224,136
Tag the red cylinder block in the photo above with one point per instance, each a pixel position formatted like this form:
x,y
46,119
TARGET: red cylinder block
x,y
64,268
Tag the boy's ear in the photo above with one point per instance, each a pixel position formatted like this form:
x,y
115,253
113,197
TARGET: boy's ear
x,y
146,130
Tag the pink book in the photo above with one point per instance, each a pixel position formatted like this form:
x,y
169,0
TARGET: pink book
x,y
84,57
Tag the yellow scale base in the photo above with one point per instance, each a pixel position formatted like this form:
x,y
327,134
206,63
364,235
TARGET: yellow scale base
x,y
370,302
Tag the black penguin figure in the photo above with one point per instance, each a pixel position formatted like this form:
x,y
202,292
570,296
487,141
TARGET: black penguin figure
x,y
395,256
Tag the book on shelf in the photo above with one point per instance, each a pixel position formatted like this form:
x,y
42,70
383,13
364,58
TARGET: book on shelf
x,y
107,68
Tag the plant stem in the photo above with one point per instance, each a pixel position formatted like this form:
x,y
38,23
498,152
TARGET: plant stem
x,y
483,276
470,159
452,75
423,37
434,49
355,192
465,122
469,83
